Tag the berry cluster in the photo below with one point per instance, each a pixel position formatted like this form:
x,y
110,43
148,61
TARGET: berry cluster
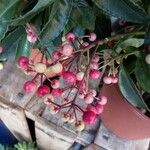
x,y
74,63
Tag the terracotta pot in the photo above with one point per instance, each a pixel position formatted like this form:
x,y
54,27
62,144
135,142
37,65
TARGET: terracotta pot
x,y
122,118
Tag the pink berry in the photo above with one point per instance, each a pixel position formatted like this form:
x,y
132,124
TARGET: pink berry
x,y
84,45
70,37
23,62
55,84
103,100
93,92
57,92
81,95
91,108
96,58
107,80
43,90
88,98
89,117
81,84
99,108
114,80
69,77
32,38
94,65
92,37
29,86
67,50
80,76
1,49
94,74
56,55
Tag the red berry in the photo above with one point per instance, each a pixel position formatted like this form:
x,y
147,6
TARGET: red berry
x,y
29,86
70,37
81,84
43,90
57,92
91,108
69,77
92,37
99,108
67,50
107,80
89,117
23,62
94,74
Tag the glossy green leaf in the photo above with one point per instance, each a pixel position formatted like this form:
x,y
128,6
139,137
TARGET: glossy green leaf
x,y
9,43
8,10
58,19
134,42
83,15
129,90
123,9
40,6
142,72
23,47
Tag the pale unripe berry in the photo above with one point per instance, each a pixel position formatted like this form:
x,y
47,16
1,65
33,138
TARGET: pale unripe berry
x,y
65,117
92,37
23,62
89,117
88,98
43,90
94,74
80,125
80,76
147,59
71,119
1,66
40,68
1,49
103,100
93,92
57,92
57,68
114,80
96,58
107,80
49,72
55,84
69,77
67,50
29,86
94,65
70,37
48,99
53,109
81,95
99,108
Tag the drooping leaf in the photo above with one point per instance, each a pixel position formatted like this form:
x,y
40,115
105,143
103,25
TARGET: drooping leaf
x,y
123,9
134,42
40,6
23,47
83,15
8,10
58,19
129,90
142,72
69,26
9,43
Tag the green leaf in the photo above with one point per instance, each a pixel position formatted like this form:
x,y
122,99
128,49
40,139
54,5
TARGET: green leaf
x,y
8,10
58,19
142,72
40,6
123,9
129,90
134,42
9,43
69,26
83,15
23,47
